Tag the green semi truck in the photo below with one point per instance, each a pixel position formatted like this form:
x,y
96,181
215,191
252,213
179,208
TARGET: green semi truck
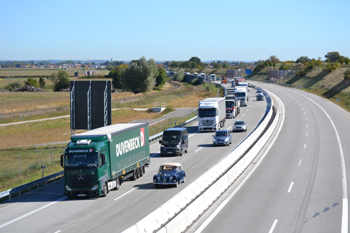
x,y
99,160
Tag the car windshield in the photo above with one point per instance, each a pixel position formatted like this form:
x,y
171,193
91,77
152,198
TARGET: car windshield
x,y
239,122
259,91
209,112
221,133
171,138
168,168
81,160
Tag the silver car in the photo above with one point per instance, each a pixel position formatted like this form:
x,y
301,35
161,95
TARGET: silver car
x,y
222,137
239,126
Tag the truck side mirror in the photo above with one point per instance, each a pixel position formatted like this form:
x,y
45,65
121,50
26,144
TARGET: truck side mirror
x,y
62,160
160,141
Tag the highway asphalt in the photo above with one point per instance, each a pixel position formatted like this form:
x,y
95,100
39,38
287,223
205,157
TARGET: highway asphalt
x,y
301,184
50,211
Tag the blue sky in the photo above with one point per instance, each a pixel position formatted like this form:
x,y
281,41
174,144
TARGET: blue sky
x,y
173,30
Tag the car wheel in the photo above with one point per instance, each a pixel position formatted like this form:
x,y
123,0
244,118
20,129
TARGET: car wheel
x,y
180,154
186,151
104,190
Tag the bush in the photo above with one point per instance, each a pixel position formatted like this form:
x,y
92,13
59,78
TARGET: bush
x,y
31,82
179,75
60,80
194,81
330,67
12,86
347,75
210,87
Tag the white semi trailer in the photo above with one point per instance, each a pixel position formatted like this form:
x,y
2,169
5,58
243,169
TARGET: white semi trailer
x,y
211,114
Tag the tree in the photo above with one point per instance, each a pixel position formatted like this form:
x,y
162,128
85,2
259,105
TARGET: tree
x,y
31,82
60,80
140,75
161,78
42,82
116,76
196,60
333,56
274,59
302,59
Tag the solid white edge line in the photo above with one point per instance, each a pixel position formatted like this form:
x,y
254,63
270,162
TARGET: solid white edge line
x,y
253,169
290,187
345,206
32,212
124,194
211,217
273,226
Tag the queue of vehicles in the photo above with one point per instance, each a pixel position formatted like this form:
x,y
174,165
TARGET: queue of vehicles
x,y
98,161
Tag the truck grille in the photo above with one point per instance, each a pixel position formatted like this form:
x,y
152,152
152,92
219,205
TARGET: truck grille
x,y
87,182
207,122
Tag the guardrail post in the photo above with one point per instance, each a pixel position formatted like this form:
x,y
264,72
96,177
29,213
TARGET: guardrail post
x,y
19,164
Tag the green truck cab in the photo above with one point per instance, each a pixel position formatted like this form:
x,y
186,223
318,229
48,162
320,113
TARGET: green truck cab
x,y
99,160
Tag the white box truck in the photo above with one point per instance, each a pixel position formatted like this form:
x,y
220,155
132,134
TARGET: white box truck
x,y
242,95
211,114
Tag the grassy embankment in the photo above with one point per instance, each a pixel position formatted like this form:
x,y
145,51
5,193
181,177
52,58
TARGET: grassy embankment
x,y
32,157
329,85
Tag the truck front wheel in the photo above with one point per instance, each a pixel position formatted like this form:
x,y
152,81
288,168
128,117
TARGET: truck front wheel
x,y
104,190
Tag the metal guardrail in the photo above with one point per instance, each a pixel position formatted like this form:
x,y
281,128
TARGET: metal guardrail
x,y
46,179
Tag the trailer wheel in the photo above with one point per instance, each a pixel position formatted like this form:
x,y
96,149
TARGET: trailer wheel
x,y
138,172
141,171
117,186
133,177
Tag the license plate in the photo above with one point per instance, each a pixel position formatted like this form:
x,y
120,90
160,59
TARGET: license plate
x,y
169,152
81,195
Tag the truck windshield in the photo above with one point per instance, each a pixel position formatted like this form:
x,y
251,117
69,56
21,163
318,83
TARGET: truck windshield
x,y
208,112
240,94
81,160
230,104
171,137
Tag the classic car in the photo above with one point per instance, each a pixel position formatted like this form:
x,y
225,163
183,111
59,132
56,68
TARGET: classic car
x,y
222,137
169,174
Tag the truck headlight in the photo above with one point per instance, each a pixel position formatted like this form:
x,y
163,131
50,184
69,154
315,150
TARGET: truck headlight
x,y
170,178
67,188
162,146
95,187
178,146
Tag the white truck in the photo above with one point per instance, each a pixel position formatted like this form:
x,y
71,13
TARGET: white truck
x,y
242,96
211,114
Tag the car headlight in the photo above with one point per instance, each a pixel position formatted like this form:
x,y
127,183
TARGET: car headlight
x,y
214,140
67,188
226,139
95,187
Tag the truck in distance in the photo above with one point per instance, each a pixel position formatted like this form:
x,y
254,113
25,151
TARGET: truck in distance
x,y
242,95
211,114
98,160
